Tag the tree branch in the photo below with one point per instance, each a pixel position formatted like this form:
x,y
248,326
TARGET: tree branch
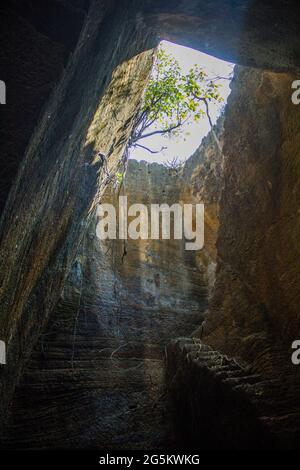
x,y
204,100
166,131
149,150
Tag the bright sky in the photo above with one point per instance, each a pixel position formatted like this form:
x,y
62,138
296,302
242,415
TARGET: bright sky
x,y
185,145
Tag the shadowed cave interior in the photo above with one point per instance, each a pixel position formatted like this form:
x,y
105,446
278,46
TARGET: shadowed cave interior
x,y
162,348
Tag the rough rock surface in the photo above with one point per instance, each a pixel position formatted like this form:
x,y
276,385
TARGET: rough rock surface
x,y
253,314
257,243
225,405
61,175
254,311
203,182
35,46
99,368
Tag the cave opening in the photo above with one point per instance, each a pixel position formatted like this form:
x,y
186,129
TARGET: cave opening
x,y
125,300
165,147
158,274
144,292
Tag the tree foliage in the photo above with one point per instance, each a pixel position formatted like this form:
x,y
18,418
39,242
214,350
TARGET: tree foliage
x,y
173,98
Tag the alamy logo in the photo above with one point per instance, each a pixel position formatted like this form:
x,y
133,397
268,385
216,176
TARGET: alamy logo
x,y
2,353
296,94
2,92
188,221
296,354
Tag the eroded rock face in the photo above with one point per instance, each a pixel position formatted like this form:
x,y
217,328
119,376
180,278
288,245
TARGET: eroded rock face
x,y
253,314
217,401
37,38
257,248
103,352
254,311
247,32
41,237
203,182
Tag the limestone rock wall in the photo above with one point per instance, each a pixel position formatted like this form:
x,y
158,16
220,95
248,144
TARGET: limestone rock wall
x,y
48,207
59,177
103,351
203,182
37,38
258,251
253,313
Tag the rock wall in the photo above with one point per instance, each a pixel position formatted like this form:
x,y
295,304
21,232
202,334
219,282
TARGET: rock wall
x,y
203,182
253,315
48,207
59,177
37,38
117,315
103,351
246,32
257,247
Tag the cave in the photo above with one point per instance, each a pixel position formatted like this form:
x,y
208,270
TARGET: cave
x,y
221,376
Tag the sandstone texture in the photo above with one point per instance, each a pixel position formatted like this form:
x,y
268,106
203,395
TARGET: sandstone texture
x,y
76,73
103,351
40,238
253,312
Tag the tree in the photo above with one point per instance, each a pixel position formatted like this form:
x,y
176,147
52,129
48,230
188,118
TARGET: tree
x,y
173,98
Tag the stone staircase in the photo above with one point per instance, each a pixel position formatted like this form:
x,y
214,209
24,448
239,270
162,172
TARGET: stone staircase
x,y
220,403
